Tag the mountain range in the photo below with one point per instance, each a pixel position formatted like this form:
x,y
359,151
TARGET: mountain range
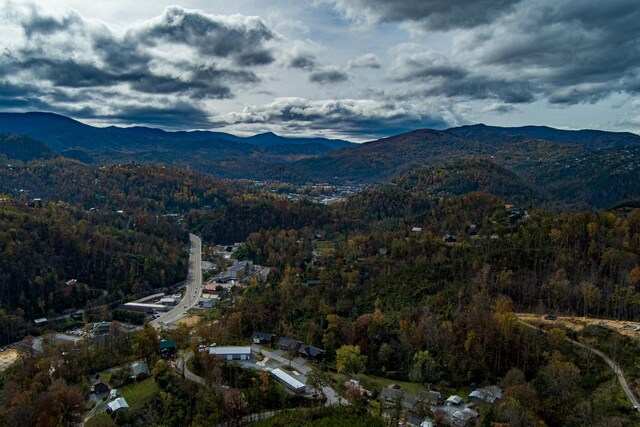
x,y
581,169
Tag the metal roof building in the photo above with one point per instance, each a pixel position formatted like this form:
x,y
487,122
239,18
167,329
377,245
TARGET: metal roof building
x,y
231,353
288,380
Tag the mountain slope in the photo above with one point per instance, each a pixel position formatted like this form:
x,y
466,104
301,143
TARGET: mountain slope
x,y
62,133
17,147
586,137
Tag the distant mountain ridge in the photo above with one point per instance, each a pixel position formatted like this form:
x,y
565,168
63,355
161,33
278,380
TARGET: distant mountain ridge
x,y
581,169
63,133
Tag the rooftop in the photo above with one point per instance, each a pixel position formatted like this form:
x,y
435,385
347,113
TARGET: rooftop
x,y
223,351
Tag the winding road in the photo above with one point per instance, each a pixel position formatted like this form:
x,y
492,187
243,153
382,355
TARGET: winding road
x,y
616,368
192,291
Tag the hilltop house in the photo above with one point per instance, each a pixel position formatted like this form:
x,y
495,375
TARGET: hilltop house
x,y
139,371
486,395
117,405
289,344
168,349
432,398
311,352
99,387
263,338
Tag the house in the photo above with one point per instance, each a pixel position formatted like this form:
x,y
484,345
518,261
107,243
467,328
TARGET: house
x,y
454,400
100,328
464,417
383,251
263,338
117,405
139,371
410,402
486,395
98,386
311,352
231,353
208,304
448,238
391,393
213,289
288,380
41,321
433,398
289,344
239,270
168,349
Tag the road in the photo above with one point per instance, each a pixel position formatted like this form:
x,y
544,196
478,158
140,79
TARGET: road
x,y
616,368
187,373
193,289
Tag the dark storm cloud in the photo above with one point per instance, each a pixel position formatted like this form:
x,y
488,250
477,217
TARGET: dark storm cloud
x,y
433,74
572,51
68,61
44,25
179,115
564,52
358,118
329,75
239,38
303,60
428,14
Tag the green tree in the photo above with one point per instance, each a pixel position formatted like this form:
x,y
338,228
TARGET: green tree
x,y
349,360
425,368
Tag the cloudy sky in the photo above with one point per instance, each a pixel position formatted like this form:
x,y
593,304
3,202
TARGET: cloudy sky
x,y
357,69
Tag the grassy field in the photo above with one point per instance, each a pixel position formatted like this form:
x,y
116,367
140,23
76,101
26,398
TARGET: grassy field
x,y
371,383
139,393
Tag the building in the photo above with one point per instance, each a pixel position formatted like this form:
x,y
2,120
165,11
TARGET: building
x,y
98,386
464,417
168,301
288,380
100,328
263,338
143,307
486,395
231,353
237,271
212,289
168,349
454,400
289,344
139,371
433,398
311,352
41,321
117,405
391,393
448,238
208,303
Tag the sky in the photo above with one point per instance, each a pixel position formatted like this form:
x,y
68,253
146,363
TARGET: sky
x,y
352,69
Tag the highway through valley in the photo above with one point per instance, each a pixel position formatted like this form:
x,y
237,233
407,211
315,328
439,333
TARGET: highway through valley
x,y
193,289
